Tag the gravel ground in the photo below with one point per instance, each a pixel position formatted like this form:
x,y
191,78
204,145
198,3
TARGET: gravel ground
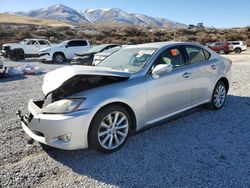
x,y
201,149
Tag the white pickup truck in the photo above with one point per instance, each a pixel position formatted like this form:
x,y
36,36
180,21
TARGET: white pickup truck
x,y
63,51
24,49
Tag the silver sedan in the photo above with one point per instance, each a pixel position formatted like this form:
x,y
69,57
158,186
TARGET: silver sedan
x,y
98,107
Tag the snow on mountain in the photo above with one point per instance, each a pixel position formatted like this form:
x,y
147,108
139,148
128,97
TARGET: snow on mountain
x,y
120,16
58,12
111,15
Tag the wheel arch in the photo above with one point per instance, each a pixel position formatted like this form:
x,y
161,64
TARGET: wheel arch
x,y
225,81
124,105
58,52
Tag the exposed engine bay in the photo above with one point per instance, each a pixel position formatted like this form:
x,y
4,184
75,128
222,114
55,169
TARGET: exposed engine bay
x,y
81,83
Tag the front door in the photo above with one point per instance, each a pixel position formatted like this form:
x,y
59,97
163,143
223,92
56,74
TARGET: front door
x,y
171,91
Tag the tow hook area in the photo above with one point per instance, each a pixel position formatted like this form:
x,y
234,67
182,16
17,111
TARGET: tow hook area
x,y
19,114
24,118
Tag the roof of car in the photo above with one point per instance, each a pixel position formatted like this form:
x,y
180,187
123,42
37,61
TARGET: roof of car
x,y
158,45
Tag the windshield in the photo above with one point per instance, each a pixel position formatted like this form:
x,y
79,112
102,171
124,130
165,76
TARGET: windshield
x,y
128,59
97,48
63,43
112,50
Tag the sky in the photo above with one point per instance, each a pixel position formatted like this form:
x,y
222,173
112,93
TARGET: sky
x,y
213,13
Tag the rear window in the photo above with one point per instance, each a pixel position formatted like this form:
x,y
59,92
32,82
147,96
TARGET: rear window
x,y
43,42
197,54
77,43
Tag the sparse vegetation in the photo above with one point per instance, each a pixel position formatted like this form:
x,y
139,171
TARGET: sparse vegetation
x,y
122,34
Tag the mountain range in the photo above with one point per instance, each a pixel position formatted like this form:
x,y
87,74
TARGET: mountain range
x,y
112,15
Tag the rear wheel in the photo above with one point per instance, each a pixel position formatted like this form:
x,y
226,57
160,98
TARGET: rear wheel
x,y
222,51
109,129
219,96
237,50
58,58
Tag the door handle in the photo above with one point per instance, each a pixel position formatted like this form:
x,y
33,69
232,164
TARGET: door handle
x,y
187,74
213,66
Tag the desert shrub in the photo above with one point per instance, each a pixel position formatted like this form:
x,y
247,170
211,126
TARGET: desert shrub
x,y
70,33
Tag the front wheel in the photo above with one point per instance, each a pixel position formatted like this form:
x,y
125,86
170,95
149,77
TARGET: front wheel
x,y
58,58
109,129
219,96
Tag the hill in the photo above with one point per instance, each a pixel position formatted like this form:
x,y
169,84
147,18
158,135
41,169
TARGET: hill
x,y
23,20
105,16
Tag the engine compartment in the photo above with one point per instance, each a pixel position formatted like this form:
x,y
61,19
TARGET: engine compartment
x,y
81,83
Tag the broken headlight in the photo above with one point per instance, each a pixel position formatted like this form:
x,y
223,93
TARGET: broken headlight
x,y
63,106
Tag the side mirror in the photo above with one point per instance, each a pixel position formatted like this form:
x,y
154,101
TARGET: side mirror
x,y
162,68
66,45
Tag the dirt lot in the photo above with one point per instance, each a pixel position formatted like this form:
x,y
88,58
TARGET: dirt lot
x,y
201,149
243,57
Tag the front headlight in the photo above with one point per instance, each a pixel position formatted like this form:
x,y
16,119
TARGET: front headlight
x,y
63,106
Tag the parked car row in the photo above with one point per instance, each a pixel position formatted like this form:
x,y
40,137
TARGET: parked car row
x,y
228,47
77,51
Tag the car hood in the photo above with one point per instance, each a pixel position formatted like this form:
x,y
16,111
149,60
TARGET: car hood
x,y
103,54
56,78
11,44
84,53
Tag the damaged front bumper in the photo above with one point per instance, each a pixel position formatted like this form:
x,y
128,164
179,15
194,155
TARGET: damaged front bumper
x,y
45,57
64,131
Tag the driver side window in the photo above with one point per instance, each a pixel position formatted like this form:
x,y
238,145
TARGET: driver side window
x,y
171,56
32,42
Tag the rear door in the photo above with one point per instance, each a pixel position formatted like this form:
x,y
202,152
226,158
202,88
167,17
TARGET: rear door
x,y
32,47
43,44
83,46
204,72
171,91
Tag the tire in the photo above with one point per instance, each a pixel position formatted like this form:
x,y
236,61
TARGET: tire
x,y
222,51
219,96
17,55
104,136
58,58
237,50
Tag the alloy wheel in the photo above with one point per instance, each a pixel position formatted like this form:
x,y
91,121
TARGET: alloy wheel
x,y
113,130
219,96
59,58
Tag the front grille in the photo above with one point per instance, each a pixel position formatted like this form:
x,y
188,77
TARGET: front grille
x,y
6,48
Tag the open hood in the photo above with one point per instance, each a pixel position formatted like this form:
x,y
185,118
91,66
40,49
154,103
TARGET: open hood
x,y
85,53
58,77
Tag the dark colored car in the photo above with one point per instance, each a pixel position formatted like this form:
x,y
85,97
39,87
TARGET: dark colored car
x,y
221,47
86,58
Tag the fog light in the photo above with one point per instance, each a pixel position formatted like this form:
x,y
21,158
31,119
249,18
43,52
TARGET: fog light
x,y
65,138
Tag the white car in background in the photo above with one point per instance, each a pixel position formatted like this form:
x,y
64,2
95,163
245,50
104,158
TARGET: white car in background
x,y
24,49
99,57
238,46
63,51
